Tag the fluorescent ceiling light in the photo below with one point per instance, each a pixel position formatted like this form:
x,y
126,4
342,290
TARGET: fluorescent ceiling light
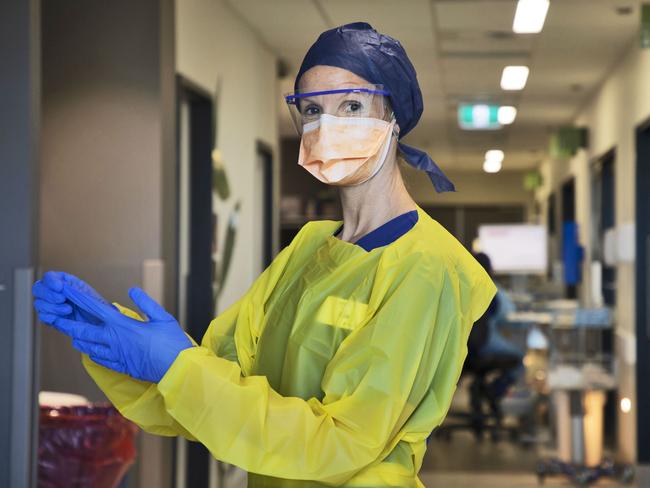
x,y
514,77
506,115
491,166
494,155
493,161
530,16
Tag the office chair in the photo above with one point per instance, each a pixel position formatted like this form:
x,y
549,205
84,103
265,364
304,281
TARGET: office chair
x,y
485,411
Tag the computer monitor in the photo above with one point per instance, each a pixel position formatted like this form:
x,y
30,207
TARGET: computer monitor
x,y
515,248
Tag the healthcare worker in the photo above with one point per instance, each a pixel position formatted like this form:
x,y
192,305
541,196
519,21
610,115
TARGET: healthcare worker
x,y
344,354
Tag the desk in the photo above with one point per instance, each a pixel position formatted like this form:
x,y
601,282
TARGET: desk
x,y
579,398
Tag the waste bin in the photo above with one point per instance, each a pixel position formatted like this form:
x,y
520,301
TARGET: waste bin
x,y
81,446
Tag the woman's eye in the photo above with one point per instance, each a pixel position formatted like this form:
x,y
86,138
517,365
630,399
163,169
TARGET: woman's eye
x,y
352,106
311,110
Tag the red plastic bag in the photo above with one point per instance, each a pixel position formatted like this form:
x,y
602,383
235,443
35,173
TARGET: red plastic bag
x,y
84,446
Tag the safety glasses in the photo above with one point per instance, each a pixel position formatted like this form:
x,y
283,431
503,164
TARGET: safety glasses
x,y
355,101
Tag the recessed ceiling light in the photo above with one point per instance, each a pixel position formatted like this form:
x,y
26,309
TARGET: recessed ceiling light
x,y
491,166
494,155
514,77
506,114
493,161
530,16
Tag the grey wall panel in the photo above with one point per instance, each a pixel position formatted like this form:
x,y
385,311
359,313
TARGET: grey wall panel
x,y
19,125
101,156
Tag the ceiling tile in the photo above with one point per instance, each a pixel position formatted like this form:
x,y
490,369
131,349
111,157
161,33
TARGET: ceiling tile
x,y
580,43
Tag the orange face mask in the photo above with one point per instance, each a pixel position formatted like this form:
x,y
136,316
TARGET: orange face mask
x,y
345,151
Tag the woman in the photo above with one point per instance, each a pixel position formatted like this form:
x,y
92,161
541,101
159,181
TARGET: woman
x,y
343,355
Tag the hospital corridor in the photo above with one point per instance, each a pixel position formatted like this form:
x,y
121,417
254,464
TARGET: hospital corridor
x,y
324,243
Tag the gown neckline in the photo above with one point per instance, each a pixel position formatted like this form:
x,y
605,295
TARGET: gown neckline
x,y
347,249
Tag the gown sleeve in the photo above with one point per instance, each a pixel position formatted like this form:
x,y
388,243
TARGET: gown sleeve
x,y
140,401
137,400
379,375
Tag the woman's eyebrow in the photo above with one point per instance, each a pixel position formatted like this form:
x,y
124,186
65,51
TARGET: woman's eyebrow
x,y
310,100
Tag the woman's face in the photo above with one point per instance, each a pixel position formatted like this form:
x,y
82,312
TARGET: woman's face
x,y
321,78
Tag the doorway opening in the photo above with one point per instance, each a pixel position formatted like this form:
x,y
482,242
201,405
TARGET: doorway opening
x,y
195,115
643,290
569,215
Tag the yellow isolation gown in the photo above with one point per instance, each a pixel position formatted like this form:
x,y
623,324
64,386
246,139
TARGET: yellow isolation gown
x,y
332,369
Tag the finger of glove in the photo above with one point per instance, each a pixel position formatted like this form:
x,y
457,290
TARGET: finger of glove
x,y
40,290
61,309
82,330
148,305
47,318
95,350
82,286
54,280
114,365
89,304
82,316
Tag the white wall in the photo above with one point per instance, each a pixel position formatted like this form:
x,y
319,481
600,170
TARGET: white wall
x,y
472,188
213,43
612,114
554,174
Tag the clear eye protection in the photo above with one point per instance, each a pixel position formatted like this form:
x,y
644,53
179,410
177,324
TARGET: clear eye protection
x,y
358,101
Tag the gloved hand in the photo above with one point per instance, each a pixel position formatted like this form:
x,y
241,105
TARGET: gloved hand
x,y
143,350
50,302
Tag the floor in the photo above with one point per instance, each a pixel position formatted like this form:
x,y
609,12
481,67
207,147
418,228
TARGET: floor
x,y
462,462
500,480
464,453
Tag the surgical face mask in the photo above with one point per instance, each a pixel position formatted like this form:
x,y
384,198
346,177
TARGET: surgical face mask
x,y
345,151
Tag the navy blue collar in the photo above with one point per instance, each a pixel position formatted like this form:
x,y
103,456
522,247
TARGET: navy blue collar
x,y
388,232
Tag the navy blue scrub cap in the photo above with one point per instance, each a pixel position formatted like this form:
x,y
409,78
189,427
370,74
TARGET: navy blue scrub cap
x,y
381,60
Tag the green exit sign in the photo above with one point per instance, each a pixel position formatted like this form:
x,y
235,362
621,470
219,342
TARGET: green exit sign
x,y
478,117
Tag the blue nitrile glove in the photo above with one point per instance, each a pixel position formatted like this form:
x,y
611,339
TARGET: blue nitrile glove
x,y
50,302
143,350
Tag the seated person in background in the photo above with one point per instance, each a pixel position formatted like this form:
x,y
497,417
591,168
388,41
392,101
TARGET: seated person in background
x,y
496,347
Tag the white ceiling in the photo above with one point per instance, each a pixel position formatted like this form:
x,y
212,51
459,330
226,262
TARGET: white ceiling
x,y
459,48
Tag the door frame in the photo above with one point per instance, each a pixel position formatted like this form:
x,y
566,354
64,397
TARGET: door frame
x,y
266,152
191,466
642,288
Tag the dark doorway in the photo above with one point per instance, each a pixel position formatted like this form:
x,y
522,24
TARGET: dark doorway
x,y
569,215
569,200
604,218
265,163
551,223
550,217
643,291
195,113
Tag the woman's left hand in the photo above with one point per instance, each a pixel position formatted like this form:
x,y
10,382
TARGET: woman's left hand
x,y
143,350
50,301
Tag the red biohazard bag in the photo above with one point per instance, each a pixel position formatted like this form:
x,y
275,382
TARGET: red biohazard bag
x,y
84,446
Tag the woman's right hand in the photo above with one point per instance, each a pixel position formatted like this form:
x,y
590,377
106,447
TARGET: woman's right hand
x,y
50,302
